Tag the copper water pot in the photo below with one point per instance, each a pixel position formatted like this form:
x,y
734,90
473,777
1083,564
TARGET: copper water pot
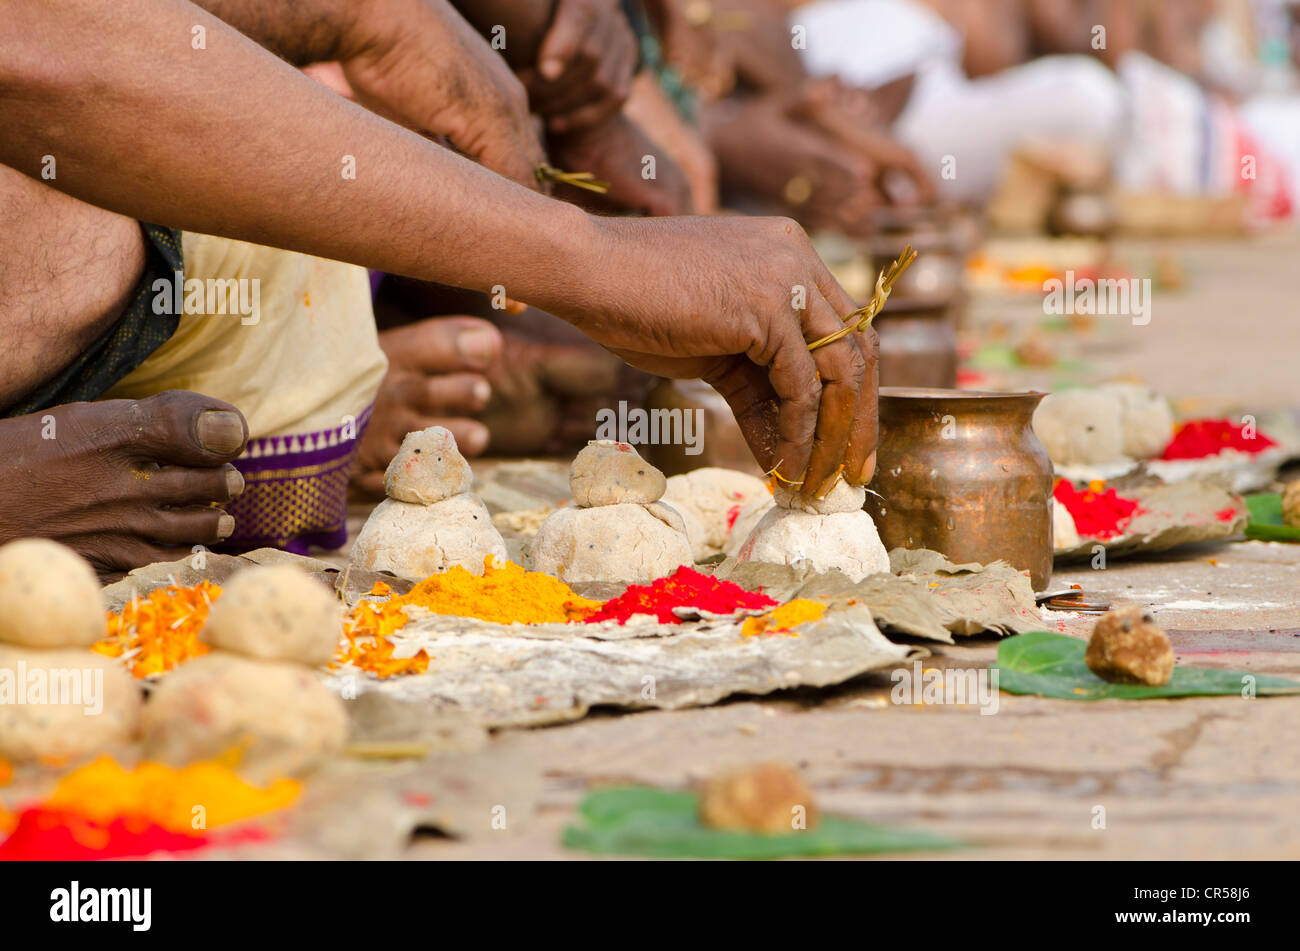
x,y
962,473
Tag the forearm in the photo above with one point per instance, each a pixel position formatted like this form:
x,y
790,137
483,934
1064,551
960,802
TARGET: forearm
x,y
228,140
301,31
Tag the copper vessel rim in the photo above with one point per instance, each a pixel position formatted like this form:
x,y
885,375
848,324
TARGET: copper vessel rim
x,y
938,393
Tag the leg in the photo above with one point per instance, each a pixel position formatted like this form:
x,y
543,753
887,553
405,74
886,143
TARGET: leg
x,y
124,482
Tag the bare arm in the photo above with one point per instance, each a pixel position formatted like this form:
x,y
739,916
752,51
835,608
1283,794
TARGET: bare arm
x,y
226,139
417,62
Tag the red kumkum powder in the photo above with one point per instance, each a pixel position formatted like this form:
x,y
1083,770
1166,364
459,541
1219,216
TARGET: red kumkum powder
x,y
44,834
685,587
1199,438
1096,514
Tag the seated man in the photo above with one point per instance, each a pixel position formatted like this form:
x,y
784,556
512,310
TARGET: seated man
x,y
692,298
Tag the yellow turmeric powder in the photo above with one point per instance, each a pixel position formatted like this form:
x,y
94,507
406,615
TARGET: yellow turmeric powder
x,y
504,595
103,790
784,619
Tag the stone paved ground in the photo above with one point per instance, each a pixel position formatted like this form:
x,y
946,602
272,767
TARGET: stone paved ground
x,y
1191,778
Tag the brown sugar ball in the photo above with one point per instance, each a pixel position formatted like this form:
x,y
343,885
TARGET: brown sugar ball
x,y
1291,504
769,797
49,596
1127,647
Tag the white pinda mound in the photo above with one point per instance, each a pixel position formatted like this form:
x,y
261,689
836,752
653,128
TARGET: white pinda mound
x,y
430,520
1081,427
827,534
711,500
57,697
257,690
1110,423
1064,533
617,530
1146,419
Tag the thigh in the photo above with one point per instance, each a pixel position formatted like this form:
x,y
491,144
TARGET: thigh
x,y
67,269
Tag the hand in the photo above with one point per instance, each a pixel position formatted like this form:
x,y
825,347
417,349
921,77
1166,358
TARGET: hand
x,y
549,385
427,69
715,299
819,180
654,113
848,115
436,377
691,46
584,65
614,151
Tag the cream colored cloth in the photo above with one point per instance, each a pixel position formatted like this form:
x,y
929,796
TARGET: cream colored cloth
x,y
290,341
310,361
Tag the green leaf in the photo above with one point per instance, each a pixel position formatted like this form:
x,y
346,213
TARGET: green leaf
x,y
659,823
1045,664
1266,523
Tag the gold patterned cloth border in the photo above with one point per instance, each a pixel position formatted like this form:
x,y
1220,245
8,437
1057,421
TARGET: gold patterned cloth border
x,y
296,489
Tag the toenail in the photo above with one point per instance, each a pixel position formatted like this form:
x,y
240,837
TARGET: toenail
x,y
477,347
221,431
482,392
225,527
234,483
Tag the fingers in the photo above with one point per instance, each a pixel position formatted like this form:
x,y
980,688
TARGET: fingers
x,y
841,368
183,428
176,485
194,525
584,65
792,374
860,457
471,435
748,391
562,41
451,394
579,371
108,552
611,78
860,454
443,345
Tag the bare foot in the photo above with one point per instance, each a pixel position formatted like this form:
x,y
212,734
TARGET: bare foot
x,y
123,482
436,377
